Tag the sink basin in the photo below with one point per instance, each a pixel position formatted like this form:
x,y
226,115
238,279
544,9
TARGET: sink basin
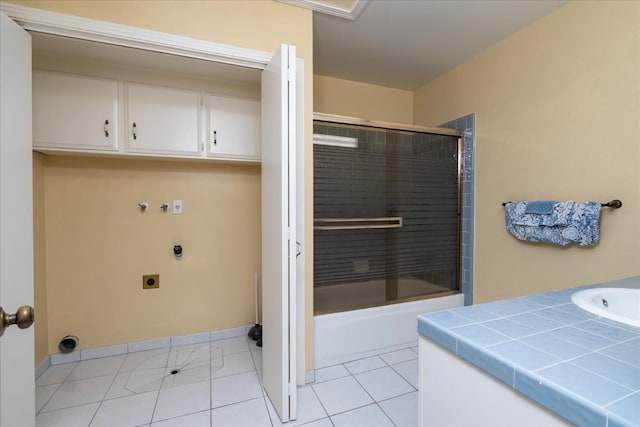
x,y
618,304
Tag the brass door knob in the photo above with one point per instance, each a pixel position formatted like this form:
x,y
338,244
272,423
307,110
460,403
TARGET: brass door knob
x,y
23,318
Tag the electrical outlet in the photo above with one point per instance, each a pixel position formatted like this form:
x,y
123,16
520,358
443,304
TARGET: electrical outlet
x,y
151,281
177,207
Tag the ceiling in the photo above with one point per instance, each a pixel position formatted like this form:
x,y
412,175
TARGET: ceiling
x,y
404,44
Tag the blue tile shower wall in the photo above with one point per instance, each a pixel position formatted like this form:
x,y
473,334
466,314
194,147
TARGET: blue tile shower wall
x,y
466,125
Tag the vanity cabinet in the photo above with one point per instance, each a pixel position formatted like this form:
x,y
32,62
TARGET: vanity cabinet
x,y
74,113
233,127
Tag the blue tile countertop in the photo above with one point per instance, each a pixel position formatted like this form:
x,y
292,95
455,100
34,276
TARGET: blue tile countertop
x,y
583,367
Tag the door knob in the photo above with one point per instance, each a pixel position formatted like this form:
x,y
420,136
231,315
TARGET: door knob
x,y
23,318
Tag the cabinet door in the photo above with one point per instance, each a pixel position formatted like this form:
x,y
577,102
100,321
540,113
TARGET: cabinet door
x,y
75,113
163,120
233,127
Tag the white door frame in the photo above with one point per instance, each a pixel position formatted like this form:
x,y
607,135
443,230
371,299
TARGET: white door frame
x,y
123,35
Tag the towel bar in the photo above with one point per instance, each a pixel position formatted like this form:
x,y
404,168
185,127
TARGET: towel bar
x,y
358,223
614,204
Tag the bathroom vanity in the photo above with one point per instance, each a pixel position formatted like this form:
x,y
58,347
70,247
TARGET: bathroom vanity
x,y
529,361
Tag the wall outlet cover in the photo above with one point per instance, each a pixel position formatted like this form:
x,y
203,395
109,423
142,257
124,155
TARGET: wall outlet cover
x,y
177,207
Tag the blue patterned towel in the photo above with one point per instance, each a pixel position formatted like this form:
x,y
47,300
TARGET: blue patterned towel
x,y
569,223
543,207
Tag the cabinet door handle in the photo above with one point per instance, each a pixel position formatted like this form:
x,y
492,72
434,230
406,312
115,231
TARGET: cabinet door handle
x,y
106,128
134,133
215,137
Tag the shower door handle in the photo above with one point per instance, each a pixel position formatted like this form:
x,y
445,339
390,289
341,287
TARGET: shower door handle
x,y
23,318
358,223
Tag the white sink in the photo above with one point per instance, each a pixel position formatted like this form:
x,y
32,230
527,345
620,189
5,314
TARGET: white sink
x,y
619,304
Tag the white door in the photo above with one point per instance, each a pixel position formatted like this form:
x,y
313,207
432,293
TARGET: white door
x,y
279,231
17,386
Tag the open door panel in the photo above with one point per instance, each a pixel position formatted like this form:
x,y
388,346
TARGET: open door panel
x,y
279,231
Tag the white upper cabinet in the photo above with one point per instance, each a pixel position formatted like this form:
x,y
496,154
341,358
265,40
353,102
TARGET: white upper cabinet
x,y
74,113
162,120
233,128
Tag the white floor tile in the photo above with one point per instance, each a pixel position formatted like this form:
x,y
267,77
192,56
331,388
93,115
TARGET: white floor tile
x,y
176,401
119,386
331,373
74,393
252,413
369,416
199,419
234,389
129,411
365,364
78,416
187,375
138,388
403,410
150,359
56,374
409,371
399,356
182,357
97,368
325,422
136,381
232,345
383,383
43,394
341,395
257,358
236,363
309,409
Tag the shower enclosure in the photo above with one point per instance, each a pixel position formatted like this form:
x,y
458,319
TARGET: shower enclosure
x,y
386,213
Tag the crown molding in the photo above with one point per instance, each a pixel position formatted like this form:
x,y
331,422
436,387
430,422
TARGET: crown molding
x,y
329,9
60,24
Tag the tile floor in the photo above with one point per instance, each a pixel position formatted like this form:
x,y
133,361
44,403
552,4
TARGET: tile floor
x,y
219,384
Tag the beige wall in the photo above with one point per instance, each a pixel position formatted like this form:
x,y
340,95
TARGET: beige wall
x,y
99,244
41,324
557,117
361,100
256,24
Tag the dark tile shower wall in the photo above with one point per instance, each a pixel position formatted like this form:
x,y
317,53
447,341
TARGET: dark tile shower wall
x,y
390,173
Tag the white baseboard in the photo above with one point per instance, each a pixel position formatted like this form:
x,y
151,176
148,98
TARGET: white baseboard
x,y
42,366
118,349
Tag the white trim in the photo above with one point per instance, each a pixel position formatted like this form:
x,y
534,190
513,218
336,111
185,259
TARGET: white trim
x,y
42,366
330,9
123,35
310,376
136,346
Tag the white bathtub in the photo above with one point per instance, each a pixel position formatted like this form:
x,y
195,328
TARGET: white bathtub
x,y
350,335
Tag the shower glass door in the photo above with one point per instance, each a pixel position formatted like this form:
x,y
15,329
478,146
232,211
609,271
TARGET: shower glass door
x,y
386,216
